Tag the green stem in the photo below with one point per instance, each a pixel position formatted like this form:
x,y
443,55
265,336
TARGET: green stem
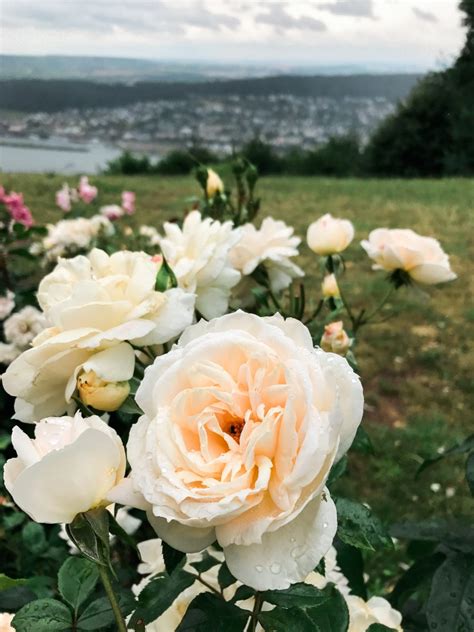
x,y
256,611
209,586
104,575
366,319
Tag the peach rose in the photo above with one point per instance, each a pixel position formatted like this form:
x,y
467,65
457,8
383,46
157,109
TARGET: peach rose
x,y
335,338
403,249
242,422
329,287
329,235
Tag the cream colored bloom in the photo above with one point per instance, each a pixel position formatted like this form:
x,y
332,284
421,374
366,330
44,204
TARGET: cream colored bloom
x,y
100,394
71,236
214,184
335,338
403,249
329,287
69,467
198,253
44,378
332,574
272,245
362,614
5,622
7,303
242,422
8,353
115,296
329,235
23,326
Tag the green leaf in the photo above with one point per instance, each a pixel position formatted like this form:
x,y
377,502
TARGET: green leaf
x,y
470,472
34,538
419,572
207,562
451,603
15,598
43,615
362,442
351,563
130,407
119,532
77,579
332,615
337,470
7,582
379,627
225,577
98,614
89,532
242,593
172,557
359,527
454,534
461,448
159,594
287,620
209,613
166,278
296,596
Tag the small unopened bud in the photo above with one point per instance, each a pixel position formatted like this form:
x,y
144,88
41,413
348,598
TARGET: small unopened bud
x,y
335,339
214,184
101,395
329,287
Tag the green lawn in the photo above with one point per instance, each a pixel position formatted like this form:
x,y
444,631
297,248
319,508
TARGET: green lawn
x,y
416,368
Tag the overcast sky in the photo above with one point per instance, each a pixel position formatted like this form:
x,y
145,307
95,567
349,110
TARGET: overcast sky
x,y
401,33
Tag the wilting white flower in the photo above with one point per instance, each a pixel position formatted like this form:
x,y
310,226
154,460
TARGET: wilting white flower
x,y
329,235
242,422
43,379
198,253
7,303
403,249
23,326
362,614
69,467
71,236
214,184
271,245
129,524
6,622
115,297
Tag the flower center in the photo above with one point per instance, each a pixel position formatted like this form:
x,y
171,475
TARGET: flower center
x,y
235,429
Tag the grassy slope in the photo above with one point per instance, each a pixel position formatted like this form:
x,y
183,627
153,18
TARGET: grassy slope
x,y
417,367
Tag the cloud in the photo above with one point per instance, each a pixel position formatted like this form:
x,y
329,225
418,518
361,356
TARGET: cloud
x,y
350,8
425,15
106,16
281,20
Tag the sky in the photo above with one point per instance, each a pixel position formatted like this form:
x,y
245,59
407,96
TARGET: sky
x,y
403,34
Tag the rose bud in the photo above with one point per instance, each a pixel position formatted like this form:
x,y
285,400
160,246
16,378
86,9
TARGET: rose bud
x,y
329,235
335,339
214,184
99,394
329,287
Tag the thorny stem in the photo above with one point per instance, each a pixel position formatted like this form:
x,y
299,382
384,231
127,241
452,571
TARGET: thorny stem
x,y
104,575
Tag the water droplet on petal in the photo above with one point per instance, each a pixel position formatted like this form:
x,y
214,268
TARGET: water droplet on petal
x,y
259,568
298,551
275,568
325,525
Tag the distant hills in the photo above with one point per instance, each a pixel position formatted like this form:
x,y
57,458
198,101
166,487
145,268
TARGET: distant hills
x,y
33,95
123,70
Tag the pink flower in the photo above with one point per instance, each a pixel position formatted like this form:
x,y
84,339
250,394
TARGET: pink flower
x,y
63,198
128,202
87,192
17,209
111,211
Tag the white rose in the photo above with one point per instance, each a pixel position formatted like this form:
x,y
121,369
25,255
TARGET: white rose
x,y
8,352
198,253
70,236
7,303
243,421
69,467
329,235
114,295
362,614
6,622
44,378
271,245
332,574
23,326
214,184
403,249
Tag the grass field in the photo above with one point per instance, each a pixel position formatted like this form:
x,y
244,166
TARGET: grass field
x,y
417,368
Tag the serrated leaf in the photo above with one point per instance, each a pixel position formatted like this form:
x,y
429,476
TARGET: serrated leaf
x,y
242,594
461,448
225,577
207,562
286,620
419,572
130,407
359,527
166,278
332,615
159,594
456,535
81,534
77,579
172,557
8,582
296,596
98,614
451,603
209,613
34,538
43,615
